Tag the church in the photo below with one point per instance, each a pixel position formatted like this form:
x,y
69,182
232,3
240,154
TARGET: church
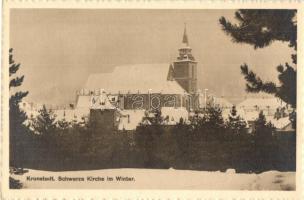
x,y
146,86
122,98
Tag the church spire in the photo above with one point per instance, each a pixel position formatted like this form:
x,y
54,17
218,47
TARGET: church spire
x,y
185,66
185,36
185,50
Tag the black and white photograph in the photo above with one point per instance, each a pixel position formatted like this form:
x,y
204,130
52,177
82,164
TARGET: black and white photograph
x,y
168,99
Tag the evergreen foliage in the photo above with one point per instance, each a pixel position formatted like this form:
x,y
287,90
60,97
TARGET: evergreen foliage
x,y
235,123
213,117
182,138
209,123
153,117
194,146
288,83
150,140
260,28
18,131
45,123
264,144
263,129
14,184
63,124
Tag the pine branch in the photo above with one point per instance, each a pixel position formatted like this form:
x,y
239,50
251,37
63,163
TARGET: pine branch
x,y
16,82
255,84
294,58
260,28
288,84
17,97
13,68
11,61
239,17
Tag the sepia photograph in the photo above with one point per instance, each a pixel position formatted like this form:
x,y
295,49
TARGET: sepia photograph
x,y
166,99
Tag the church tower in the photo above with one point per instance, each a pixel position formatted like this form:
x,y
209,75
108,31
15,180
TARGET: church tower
x,y
185,67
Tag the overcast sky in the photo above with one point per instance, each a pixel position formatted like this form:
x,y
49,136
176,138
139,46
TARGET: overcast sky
x,y
58,49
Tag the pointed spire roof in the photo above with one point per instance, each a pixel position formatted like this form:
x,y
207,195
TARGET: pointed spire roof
x,y
185,49
185,36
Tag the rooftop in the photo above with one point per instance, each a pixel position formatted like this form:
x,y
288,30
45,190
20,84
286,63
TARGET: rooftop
x,y
138,78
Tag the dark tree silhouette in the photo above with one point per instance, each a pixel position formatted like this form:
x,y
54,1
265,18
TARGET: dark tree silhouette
x,y
18,131
260,28
45,122
213,118
262,128
235,122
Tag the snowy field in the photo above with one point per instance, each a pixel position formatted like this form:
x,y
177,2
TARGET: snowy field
x,y
157,179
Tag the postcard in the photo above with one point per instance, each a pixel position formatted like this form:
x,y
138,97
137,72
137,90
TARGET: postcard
x,y
152,100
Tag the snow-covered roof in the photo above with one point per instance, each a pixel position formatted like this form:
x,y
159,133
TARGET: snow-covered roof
x,y
279,123
101,102
222,102
130,119
29,106
135,78
262,103
72,114
174,114
249,115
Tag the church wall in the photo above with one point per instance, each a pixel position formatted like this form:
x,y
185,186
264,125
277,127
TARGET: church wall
x,y
185,73
181,70
184,83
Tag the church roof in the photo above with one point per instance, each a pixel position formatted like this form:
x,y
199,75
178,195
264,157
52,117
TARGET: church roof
x,y
135,78
185,37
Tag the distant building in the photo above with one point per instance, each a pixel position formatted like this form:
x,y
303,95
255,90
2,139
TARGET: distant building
x,y
185,67
132,89
126,93
141,86
222,103
268,105
147,86
275,110
31,109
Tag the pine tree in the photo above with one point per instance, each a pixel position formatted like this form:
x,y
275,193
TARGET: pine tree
x,y
45,123
155,119
260,28
263,143
288,83
262,128
235,122
63,124
209,123
213,117
148,138
17,117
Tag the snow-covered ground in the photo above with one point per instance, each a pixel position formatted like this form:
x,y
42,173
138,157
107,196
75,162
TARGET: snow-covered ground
x,y
160,179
